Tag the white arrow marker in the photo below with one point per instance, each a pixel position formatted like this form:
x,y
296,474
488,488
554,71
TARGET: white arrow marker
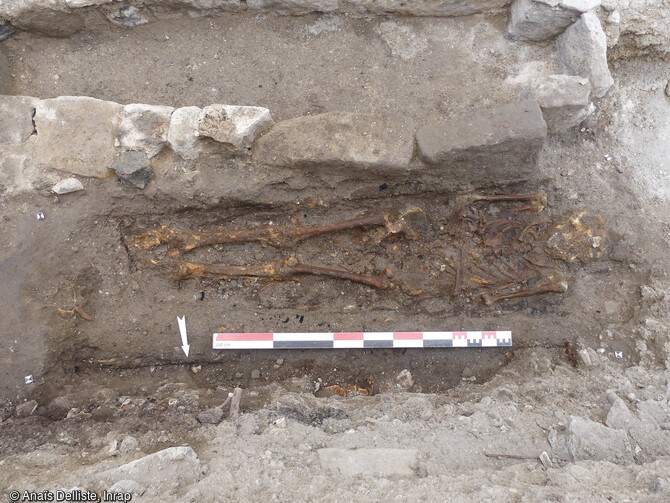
x,y
182,332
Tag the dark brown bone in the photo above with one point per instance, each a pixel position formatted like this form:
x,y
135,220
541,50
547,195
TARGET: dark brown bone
x,y
278,236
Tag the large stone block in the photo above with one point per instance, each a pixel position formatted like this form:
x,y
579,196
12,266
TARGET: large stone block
x,y
52,18
358,143
174,465
564,100
499,145
378,462
77,135
582,50
16,118
544,19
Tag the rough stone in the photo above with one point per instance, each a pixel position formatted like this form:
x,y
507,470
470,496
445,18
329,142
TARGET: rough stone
x,y
174,465
76,135
133,167
50,19
129,444
378,462
127,486
356,143
564,100
126,16
144,128
235,126
67,185
16,118
588,440
255,374
659,485
183,133
211,416
582,50
295,6
499,145
404,379
26,409
6,31
545,19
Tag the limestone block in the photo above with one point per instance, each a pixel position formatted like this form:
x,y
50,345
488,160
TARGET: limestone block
x,y
357,143
544,19
67,186
499,145
183,133
174,465
76,134
144,128
378,462
582,50
16,118
588,440
235,126
564,100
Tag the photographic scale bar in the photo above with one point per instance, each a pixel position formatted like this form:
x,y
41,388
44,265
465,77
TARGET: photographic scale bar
x,y
360,340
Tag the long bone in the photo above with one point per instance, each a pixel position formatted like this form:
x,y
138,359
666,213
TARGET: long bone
x,y
277,236
555,284
283,270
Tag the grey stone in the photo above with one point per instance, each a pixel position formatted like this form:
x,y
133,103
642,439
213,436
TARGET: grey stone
x,y
544,19
659,485
588,440
129,444
183,133
619,416
134,167
404,379
255,374
174,465
67,185
378,462
499,145
643,429
127,486
355,143
19,174
667,89
76,135
50,19
126,16
211,416
295,6
427,7
564,100
26,409
16,118
6,31
235,126
144,128
582,50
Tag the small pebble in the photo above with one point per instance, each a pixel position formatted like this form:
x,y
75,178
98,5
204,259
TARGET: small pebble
x,y
546,460
255,374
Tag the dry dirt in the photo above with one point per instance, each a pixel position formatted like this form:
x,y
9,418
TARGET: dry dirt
x,y
614,166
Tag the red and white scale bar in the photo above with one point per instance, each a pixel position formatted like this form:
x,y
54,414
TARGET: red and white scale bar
x,y
344,340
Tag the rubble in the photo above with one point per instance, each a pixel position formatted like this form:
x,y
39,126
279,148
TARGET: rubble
x,y
588,440
378,462
499,145
134,167
582,50
237,127
543,19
